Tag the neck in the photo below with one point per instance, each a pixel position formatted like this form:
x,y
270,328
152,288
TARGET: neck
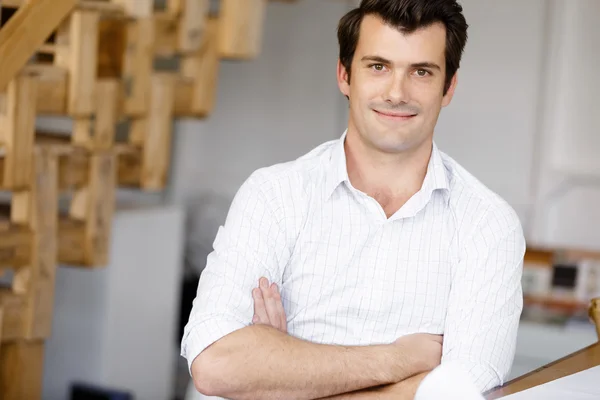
x,y
396,176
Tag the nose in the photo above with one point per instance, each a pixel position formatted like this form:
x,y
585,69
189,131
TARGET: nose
x,y
397,89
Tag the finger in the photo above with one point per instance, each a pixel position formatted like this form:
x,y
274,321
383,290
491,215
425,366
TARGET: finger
x,y
270,305
260,312
280,309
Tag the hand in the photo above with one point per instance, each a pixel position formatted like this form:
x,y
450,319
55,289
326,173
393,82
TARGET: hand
x,y
268,308
424,350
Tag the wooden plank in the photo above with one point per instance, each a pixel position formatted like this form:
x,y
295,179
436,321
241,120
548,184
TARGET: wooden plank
x,y
156,149
184,89
21,370
192,18
136,8
52,89
98,133
104,7
137,131
165,34
137,70
15,247
202,68
71,242
129,165
12,316
26,31
77,51
107,100
37,281
241,28
17,126
94,206
102,204
73,171
73,162
112,39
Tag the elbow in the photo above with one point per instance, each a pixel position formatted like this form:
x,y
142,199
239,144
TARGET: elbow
x,y
212,376
208,380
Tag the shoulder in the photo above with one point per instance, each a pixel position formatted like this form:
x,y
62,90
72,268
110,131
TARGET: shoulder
x,y
290,184
478,210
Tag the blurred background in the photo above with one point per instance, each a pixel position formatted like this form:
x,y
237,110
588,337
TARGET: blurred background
x,y
523,121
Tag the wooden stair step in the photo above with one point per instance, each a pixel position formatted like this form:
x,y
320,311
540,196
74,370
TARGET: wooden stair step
x,y
16,241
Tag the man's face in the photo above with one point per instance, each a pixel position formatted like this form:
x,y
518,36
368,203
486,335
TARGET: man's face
x,y
397,84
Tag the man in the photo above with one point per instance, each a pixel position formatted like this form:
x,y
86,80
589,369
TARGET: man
x,y
355,270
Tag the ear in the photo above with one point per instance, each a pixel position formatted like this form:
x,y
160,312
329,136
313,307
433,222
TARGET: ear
x,y
342,79
450,93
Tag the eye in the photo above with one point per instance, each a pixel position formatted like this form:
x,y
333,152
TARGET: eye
x,y
377,67
422,72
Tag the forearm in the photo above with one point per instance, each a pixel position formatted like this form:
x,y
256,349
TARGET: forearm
x,y
403,390
261,362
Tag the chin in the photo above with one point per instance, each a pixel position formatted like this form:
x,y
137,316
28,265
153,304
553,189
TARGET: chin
x,y
392,145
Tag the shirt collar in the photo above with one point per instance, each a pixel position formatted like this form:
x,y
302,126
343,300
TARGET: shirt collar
x,y
337,173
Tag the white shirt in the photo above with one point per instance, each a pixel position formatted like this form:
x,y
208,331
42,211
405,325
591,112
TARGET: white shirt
x,y
447,262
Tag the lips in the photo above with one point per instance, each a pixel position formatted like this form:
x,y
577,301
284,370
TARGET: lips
x,y
393,115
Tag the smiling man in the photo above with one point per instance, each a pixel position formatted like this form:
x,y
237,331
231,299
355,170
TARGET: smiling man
x,y
380,256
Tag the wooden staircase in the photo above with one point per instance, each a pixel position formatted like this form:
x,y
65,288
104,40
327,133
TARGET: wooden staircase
x,y
98,62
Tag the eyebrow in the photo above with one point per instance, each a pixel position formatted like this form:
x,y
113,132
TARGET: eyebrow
x,y
415,65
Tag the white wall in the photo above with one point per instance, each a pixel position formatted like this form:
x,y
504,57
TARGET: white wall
x,y
566,212
491,124
271,109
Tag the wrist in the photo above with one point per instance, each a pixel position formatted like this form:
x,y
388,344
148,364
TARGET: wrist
x,y
406,361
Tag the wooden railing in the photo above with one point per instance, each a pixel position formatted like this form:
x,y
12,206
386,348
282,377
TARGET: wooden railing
x,y
98,63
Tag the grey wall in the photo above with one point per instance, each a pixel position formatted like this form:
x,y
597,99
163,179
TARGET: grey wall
x,y
271,109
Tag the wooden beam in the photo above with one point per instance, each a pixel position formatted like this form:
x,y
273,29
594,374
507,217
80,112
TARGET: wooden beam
x,y
156,148
137,70
71,242
52,88
136,8
13,316
241,28
94,206
98,133
26,31
77,52
17,129
21,370
112,39
192,16
129,168
165,34
36,282
202,68
16,244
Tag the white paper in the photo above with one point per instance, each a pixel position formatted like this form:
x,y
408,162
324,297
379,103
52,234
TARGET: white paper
x,y
584,385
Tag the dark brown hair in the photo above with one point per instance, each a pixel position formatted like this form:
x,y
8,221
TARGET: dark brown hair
x,y
407,16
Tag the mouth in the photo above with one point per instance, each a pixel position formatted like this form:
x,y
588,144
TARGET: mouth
x,y
395,116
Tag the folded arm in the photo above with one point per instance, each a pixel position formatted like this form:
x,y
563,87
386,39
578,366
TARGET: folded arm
x,y
404,390
231,358
486,302
262,362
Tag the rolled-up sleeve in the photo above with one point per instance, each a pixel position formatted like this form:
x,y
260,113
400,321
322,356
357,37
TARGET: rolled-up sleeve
x,y
250,244
486,302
